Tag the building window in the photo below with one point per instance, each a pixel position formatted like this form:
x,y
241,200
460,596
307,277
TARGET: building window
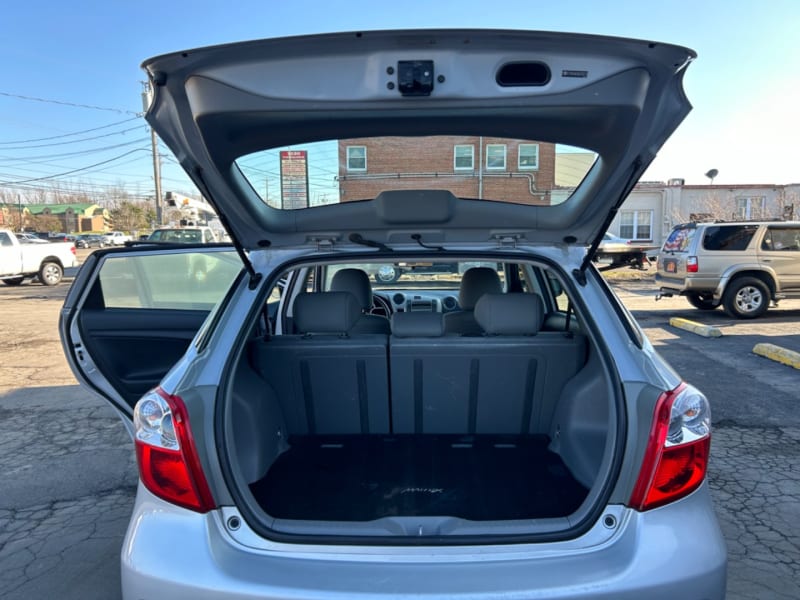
x,y
464,158
496,156
356,158
528,156
636,224
751,208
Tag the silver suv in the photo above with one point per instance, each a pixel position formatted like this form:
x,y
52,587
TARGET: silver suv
x,y
741,265
305,432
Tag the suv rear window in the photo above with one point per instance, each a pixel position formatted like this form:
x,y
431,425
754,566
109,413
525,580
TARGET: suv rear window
x,y
679,239
728,237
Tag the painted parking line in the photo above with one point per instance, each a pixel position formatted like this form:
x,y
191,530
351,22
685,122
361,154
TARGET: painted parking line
x,y
695,327
778,354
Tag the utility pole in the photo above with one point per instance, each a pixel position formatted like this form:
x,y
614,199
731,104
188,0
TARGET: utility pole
x,y
156,159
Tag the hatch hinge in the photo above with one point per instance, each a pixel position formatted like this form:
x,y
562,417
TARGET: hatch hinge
x,y
507,240
323,244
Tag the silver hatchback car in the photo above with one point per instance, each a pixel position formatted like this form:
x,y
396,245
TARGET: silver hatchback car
x,y
492,424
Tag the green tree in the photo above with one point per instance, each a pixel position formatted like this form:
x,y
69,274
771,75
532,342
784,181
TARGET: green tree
x,y
129,215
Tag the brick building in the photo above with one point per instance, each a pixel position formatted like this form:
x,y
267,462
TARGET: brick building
x,y
75,217
469,166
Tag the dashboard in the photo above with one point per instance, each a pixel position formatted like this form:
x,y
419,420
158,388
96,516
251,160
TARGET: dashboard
x,y
392,301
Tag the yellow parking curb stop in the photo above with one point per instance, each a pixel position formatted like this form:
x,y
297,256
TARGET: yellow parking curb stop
x,y
778,354
694,327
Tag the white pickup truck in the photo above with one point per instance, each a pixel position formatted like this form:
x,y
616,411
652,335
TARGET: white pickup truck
x,y
116,238
45,261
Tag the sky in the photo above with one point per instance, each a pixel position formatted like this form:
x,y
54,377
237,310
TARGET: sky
x,y
74,66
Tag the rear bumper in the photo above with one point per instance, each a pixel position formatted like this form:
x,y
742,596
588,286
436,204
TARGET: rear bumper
x,y
676,551
682,286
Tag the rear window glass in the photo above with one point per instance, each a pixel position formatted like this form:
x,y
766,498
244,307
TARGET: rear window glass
x,y
177,236
535,172
728,237
679,239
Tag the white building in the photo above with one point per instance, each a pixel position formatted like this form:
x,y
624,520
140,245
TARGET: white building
x,y
653,208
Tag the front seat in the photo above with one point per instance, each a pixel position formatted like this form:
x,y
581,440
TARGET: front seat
x,y
476,282
357,283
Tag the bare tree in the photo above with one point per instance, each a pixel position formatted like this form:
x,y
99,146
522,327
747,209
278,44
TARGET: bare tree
x,y
720,206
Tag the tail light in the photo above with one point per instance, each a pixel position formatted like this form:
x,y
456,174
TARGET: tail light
x,y
168,462
676,457
692,265
72,248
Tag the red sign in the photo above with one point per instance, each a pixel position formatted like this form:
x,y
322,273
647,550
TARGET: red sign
x,y
294,179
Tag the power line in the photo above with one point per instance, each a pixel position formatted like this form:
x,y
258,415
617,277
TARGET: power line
x,y
30,159
79,140
58,166
56,137
11,183
77,105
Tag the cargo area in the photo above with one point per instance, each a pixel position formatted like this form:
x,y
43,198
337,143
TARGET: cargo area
x,y
333,426
362,478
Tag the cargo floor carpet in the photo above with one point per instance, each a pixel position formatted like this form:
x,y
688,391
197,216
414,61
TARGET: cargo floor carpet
x,y
366,477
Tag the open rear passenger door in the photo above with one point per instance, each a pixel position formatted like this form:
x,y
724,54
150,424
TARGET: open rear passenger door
x,y
132,313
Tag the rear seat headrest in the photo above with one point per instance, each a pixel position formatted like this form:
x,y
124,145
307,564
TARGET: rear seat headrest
x,y
476,282
510,314
326,312
417,324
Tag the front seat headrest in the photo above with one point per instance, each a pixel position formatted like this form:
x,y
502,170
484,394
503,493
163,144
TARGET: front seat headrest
x,y
476,282
356,282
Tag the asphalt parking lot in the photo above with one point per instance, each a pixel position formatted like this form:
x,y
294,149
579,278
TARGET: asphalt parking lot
x,y
68,473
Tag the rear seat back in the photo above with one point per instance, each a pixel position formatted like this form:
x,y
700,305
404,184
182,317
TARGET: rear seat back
x,y
505,382
327,381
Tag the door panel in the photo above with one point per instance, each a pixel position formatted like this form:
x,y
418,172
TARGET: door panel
x,y
135,348
780,250
9,255
133,312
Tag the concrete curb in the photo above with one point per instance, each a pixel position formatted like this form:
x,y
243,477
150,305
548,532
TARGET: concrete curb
x,y
694,327
778,354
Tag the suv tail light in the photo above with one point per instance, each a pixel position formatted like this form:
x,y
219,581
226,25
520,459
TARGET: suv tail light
x,y
692,265
676,457
168,462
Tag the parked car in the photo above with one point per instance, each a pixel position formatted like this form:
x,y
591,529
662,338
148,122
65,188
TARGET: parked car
x,y
116,238
29,238
61,237
302,435
184,235
742,266
614,252
46,262
90,240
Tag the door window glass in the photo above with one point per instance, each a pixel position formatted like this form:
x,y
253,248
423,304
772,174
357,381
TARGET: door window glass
x,y
782,238
176,281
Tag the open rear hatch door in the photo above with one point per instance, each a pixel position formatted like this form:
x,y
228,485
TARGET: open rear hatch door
x,y
619,99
